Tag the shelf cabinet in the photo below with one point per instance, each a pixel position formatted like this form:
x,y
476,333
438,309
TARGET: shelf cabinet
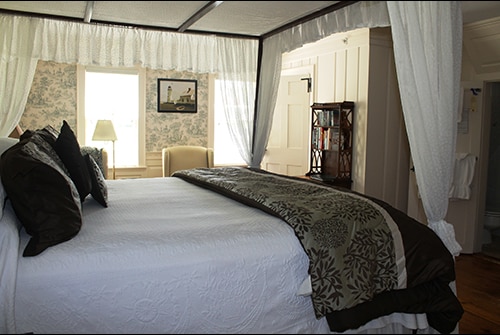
x,y
331,142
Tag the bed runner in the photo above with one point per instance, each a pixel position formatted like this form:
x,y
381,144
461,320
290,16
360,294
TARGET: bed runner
x,y
347,239
366,258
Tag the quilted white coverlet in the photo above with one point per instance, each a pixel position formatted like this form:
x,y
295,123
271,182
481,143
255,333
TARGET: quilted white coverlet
x,y
167,257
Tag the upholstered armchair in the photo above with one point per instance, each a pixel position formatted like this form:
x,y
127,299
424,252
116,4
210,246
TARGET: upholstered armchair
x,y
186,157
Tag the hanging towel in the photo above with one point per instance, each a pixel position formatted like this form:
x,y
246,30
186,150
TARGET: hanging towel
x,y
462,176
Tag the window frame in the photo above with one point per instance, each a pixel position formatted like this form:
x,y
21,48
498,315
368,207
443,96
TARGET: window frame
x,y
80,119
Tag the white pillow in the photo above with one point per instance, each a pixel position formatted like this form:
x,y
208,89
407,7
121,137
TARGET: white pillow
x,y
5,143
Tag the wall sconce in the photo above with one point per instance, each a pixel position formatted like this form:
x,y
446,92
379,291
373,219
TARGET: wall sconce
x,y
105,131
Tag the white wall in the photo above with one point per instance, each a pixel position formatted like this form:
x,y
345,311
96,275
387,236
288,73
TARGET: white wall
x,y
358,66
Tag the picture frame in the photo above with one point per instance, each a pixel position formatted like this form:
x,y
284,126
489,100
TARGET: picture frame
x,y
177,95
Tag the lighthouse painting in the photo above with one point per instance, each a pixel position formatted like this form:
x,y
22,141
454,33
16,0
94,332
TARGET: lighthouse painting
x,y
177,95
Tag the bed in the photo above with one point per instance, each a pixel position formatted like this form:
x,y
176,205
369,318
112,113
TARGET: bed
x,y
211,250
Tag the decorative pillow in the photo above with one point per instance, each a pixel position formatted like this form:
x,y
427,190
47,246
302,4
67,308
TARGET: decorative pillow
x,y
39,138
48,133
96,154
68,149
43,196
99,187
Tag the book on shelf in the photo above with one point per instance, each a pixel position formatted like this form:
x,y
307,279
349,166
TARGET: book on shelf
x,y
325,139
328,118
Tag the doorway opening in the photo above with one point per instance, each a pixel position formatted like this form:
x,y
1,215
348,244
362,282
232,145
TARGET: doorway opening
x,y
491,222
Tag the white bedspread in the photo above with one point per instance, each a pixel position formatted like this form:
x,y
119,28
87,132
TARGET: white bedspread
x,y
167,257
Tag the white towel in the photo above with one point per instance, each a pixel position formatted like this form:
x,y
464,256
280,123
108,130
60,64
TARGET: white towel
x,y
462,176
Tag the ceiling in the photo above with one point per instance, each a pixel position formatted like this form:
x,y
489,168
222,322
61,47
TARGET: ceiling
x,y
246,18
236,18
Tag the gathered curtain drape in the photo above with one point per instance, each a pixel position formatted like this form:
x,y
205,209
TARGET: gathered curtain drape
x,y
25,40
427,37
427,42
358,15
238,93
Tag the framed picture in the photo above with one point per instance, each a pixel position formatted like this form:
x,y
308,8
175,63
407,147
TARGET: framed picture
x,y
177,95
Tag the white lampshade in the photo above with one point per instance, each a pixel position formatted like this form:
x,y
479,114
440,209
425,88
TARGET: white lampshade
x,y
104,131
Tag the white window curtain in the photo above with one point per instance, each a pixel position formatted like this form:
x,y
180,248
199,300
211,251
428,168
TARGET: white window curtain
x,y
17,69
25,40
238,93
427,39
358,15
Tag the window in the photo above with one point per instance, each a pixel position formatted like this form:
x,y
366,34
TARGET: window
x,y
116,94
113,94
225,150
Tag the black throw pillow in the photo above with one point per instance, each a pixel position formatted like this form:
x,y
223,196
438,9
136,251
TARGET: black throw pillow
x,y
68,149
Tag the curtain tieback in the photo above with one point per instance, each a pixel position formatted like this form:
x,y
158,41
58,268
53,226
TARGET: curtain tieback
x,y
447,234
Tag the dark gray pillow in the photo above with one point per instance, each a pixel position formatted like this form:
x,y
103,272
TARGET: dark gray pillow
x,y
99,187
96,154
43,196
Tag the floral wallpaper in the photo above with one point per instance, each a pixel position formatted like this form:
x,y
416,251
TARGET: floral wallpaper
x,y
52,99
167,129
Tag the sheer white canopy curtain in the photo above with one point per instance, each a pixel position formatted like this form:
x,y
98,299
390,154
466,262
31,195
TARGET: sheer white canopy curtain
x,y
427,37
26,40
427,42
358,15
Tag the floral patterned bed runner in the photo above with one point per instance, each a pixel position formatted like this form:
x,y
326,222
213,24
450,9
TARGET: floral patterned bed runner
x,y
350,241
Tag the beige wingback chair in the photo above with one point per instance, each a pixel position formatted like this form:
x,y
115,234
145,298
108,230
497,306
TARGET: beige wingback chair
x,y
184,157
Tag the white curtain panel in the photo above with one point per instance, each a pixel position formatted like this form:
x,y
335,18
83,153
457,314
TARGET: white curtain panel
x,y
427,39
17,69
358,15
238,91
26,40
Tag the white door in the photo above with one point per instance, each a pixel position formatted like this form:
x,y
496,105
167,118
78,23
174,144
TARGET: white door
x,y
288,147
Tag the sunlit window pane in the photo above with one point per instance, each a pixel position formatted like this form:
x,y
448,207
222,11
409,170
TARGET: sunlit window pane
x,y
114,96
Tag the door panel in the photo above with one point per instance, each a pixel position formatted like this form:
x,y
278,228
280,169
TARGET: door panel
x,y
288,146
